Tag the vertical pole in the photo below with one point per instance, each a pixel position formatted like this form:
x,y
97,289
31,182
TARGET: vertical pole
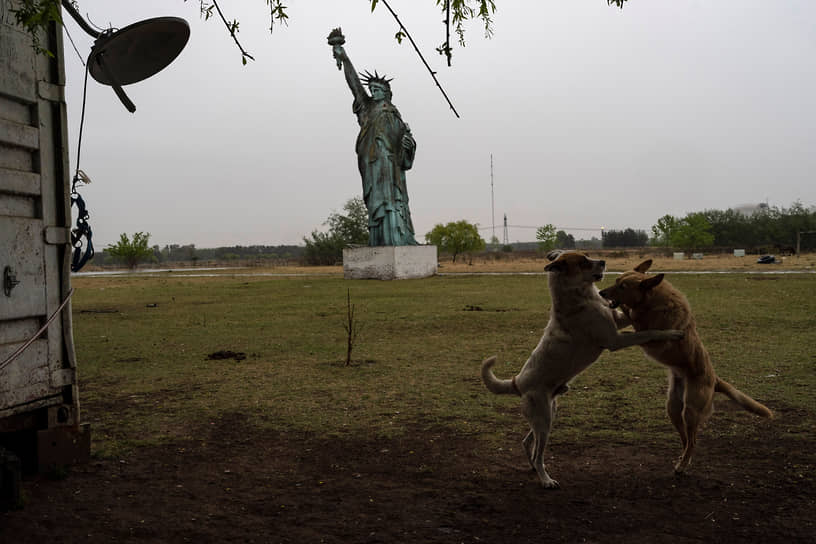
x,y
798,241
492,201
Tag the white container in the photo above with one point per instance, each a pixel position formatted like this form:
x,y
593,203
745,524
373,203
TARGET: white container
x,y
38,388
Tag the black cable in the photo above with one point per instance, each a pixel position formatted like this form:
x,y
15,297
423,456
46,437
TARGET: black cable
x,y
71,39
83,228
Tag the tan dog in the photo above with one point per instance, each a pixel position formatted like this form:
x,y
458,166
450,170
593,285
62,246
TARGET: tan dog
x,y
650,301
581,326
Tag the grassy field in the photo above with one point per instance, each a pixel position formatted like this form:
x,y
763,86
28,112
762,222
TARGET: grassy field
x,y
146,376
221,410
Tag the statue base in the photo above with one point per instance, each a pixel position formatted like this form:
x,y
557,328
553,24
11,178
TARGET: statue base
x,y
389,262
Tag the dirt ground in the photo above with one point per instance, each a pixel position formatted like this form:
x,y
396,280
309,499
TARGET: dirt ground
x,y
235,483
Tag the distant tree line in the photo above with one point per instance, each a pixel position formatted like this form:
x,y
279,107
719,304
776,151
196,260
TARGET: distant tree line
x,y
624,238
769,228
238,253
130,253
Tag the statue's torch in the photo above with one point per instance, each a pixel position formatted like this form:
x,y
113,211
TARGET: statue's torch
x,y
336,39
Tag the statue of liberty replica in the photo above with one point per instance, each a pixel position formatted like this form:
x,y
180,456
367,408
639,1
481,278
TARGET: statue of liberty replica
x,y
385,150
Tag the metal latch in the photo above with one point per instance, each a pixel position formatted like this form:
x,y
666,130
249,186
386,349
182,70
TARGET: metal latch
x,y
9,280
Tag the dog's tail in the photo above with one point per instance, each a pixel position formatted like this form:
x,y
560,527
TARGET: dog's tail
x,y
495,385
742,399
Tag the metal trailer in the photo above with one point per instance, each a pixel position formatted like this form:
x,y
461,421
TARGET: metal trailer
x,y
39,405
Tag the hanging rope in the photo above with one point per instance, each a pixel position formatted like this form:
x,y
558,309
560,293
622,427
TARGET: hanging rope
x,y
22,348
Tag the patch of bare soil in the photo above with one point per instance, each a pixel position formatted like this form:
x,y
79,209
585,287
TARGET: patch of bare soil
x,y
236,483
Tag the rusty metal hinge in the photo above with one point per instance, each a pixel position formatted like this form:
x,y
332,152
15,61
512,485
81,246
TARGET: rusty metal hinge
x,y
50,91
10,280
57,236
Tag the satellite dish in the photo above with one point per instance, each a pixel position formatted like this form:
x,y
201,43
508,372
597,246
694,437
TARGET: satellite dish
x,y
138,51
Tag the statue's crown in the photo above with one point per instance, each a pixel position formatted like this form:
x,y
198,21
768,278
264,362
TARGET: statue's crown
x,y
368,79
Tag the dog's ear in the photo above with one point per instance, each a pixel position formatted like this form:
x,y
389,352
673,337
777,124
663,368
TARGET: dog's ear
x,y
644,266
554,254
555,265
651,282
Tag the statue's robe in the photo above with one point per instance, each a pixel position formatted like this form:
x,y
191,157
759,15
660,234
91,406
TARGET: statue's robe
x,y
383,160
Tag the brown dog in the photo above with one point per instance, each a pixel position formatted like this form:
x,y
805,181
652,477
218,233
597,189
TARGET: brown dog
x,y
651,302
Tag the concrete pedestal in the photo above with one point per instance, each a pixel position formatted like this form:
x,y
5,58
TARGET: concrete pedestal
x,y
389,262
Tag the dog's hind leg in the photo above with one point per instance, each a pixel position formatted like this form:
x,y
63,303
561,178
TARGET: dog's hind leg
x,y
529,441
698,405
691,417
528,445
674,406
538,411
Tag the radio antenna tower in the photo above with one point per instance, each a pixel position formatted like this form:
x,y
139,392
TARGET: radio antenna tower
x,y
506,238
492,202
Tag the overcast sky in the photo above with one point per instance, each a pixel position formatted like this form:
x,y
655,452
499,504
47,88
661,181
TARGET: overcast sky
x,y
595,117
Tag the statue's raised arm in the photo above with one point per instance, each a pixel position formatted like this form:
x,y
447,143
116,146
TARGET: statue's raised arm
x,y
336,40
